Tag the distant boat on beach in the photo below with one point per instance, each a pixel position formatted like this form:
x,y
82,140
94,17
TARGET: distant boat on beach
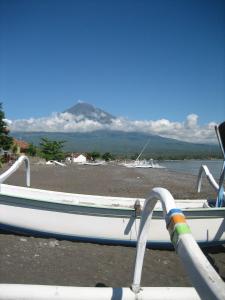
x,y
142,163
55,163
94,163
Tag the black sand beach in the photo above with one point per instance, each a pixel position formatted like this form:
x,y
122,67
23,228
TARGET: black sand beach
x,y
49,261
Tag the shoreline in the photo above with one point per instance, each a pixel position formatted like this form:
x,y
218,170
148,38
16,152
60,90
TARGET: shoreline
x,y
110,180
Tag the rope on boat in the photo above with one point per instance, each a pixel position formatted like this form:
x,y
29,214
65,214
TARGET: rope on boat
x,y
16,166
204,278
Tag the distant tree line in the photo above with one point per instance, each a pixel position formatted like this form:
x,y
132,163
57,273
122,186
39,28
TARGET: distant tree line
x,y
53,150
6,141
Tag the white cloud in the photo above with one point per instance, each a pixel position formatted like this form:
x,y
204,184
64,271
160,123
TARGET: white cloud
x,y
189,130
191,121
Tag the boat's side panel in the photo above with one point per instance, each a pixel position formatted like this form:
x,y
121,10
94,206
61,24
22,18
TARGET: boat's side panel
x,y
102,224
85,200
65,198
68,224
107,211
67,208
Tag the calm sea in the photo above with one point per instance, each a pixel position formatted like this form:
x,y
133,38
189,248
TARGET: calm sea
x,y
192,166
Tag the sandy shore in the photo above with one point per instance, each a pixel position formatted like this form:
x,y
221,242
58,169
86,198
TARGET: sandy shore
x,y
48,261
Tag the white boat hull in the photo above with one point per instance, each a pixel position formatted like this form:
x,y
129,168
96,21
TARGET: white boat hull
x,y
110,220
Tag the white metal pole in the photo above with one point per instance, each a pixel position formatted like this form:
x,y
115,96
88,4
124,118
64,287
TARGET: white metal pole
x,y
210,178
15,166
43,292
204,278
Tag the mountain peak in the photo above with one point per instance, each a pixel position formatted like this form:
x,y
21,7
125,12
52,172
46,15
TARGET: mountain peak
x,y
89,111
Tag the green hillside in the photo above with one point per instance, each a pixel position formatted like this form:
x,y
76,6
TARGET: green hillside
x,y
124,144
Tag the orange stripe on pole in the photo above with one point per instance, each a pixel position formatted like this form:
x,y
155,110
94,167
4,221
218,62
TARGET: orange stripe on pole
x,y
178,219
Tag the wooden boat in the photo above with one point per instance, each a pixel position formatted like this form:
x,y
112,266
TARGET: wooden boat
x,y
110,220
55,163
207,284
143,164
94,163
137,163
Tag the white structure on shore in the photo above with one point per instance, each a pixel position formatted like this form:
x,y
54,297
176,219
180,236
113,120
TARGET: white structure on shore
x,y
76,158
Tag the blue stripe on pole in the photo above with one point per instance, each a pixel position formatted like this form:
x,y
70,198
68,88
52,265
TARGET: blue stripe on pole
x,y
173,211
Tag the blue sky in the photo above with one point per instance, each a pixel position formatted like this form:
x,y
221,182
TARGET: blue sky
x,y
144,60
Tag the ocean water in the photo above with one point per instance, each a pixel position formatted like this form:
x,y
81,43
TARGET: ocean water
x,y
192,166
